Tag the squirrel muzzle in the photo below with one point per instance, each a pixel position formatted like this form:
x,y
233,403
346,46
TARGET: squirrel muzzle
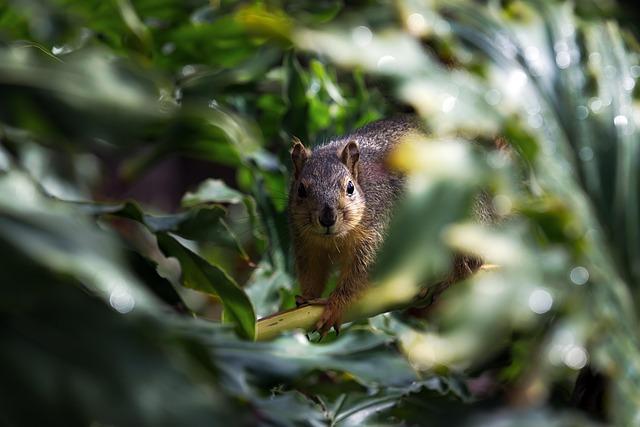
x,y
327,217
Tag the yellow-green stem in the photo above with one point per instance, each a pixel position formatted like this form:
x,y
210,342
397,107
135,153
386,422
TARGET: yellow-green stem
x,y
399,292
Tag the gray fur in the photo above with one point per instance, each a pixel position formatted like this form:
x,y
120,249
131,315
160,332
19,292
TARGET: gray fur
x,y
379,186
366,213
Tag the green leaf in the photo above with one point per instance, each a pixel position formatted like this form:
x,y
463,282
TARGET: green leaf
x,y
420,251
62,238
265,288
199,274
202,223
369,358
212,191
77,359
296,117
439,396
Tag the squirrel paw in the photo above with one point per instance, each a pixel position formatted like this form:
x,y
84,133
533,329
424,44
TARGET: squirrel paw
x,y
300,300
331,318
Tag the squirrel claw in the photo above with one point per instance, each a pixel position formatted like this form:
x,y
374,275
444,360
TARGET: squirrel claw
x,y
330,319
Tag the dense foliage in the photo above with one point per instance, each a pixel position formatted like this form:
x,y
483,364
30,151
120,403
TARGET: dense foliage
x,y
143,180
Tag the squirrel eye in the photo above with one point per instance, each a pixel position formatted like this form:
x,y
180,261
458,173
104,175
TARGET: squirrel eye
x,y
350,188
302,192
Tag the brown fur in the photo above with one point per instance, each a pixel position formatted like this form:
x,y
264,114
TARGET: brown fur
x,y
361,219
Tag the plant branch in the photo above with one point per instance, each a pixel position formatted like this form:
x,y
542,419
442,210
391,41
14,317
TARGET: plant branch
x,y
394,294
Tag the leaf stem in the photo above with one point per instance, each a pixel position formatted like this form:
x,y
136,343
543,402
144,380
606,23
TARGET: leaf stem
x,y
394,294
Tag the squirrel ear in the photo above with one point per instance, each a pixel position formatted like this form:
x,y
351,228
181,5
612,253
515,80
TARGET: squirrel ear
x,y
349,156
299,155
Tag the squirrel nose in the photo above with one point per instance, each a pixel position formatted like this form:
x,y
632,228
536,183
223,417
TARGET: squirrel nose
x,y
327,217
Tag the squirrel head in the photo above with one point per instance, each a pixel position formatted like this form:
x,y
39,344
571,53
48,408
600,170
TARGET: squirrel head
x,y
325,197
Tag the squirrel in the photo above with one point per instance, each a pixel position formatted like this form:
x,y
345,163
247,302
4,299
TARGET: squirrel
x,y
341,199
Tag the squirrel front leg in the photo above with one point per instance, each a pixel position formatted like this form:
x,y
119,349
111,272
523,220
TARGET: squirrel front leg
x,y
312,274
352,281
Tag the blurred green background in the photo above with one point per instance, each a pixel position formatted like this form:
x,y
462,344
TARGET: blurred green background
x,y
143,183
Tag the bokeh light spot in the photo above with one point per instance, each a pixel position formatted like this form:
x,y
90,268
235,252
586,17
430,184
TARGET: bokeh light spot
x,y
502,204
416,24
620,120
493,97
582,112
448,103
532,53
121,300
576,357
586,154
595,104
579,275
362,36
540,301
563,59
516,80
629,83
385,62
